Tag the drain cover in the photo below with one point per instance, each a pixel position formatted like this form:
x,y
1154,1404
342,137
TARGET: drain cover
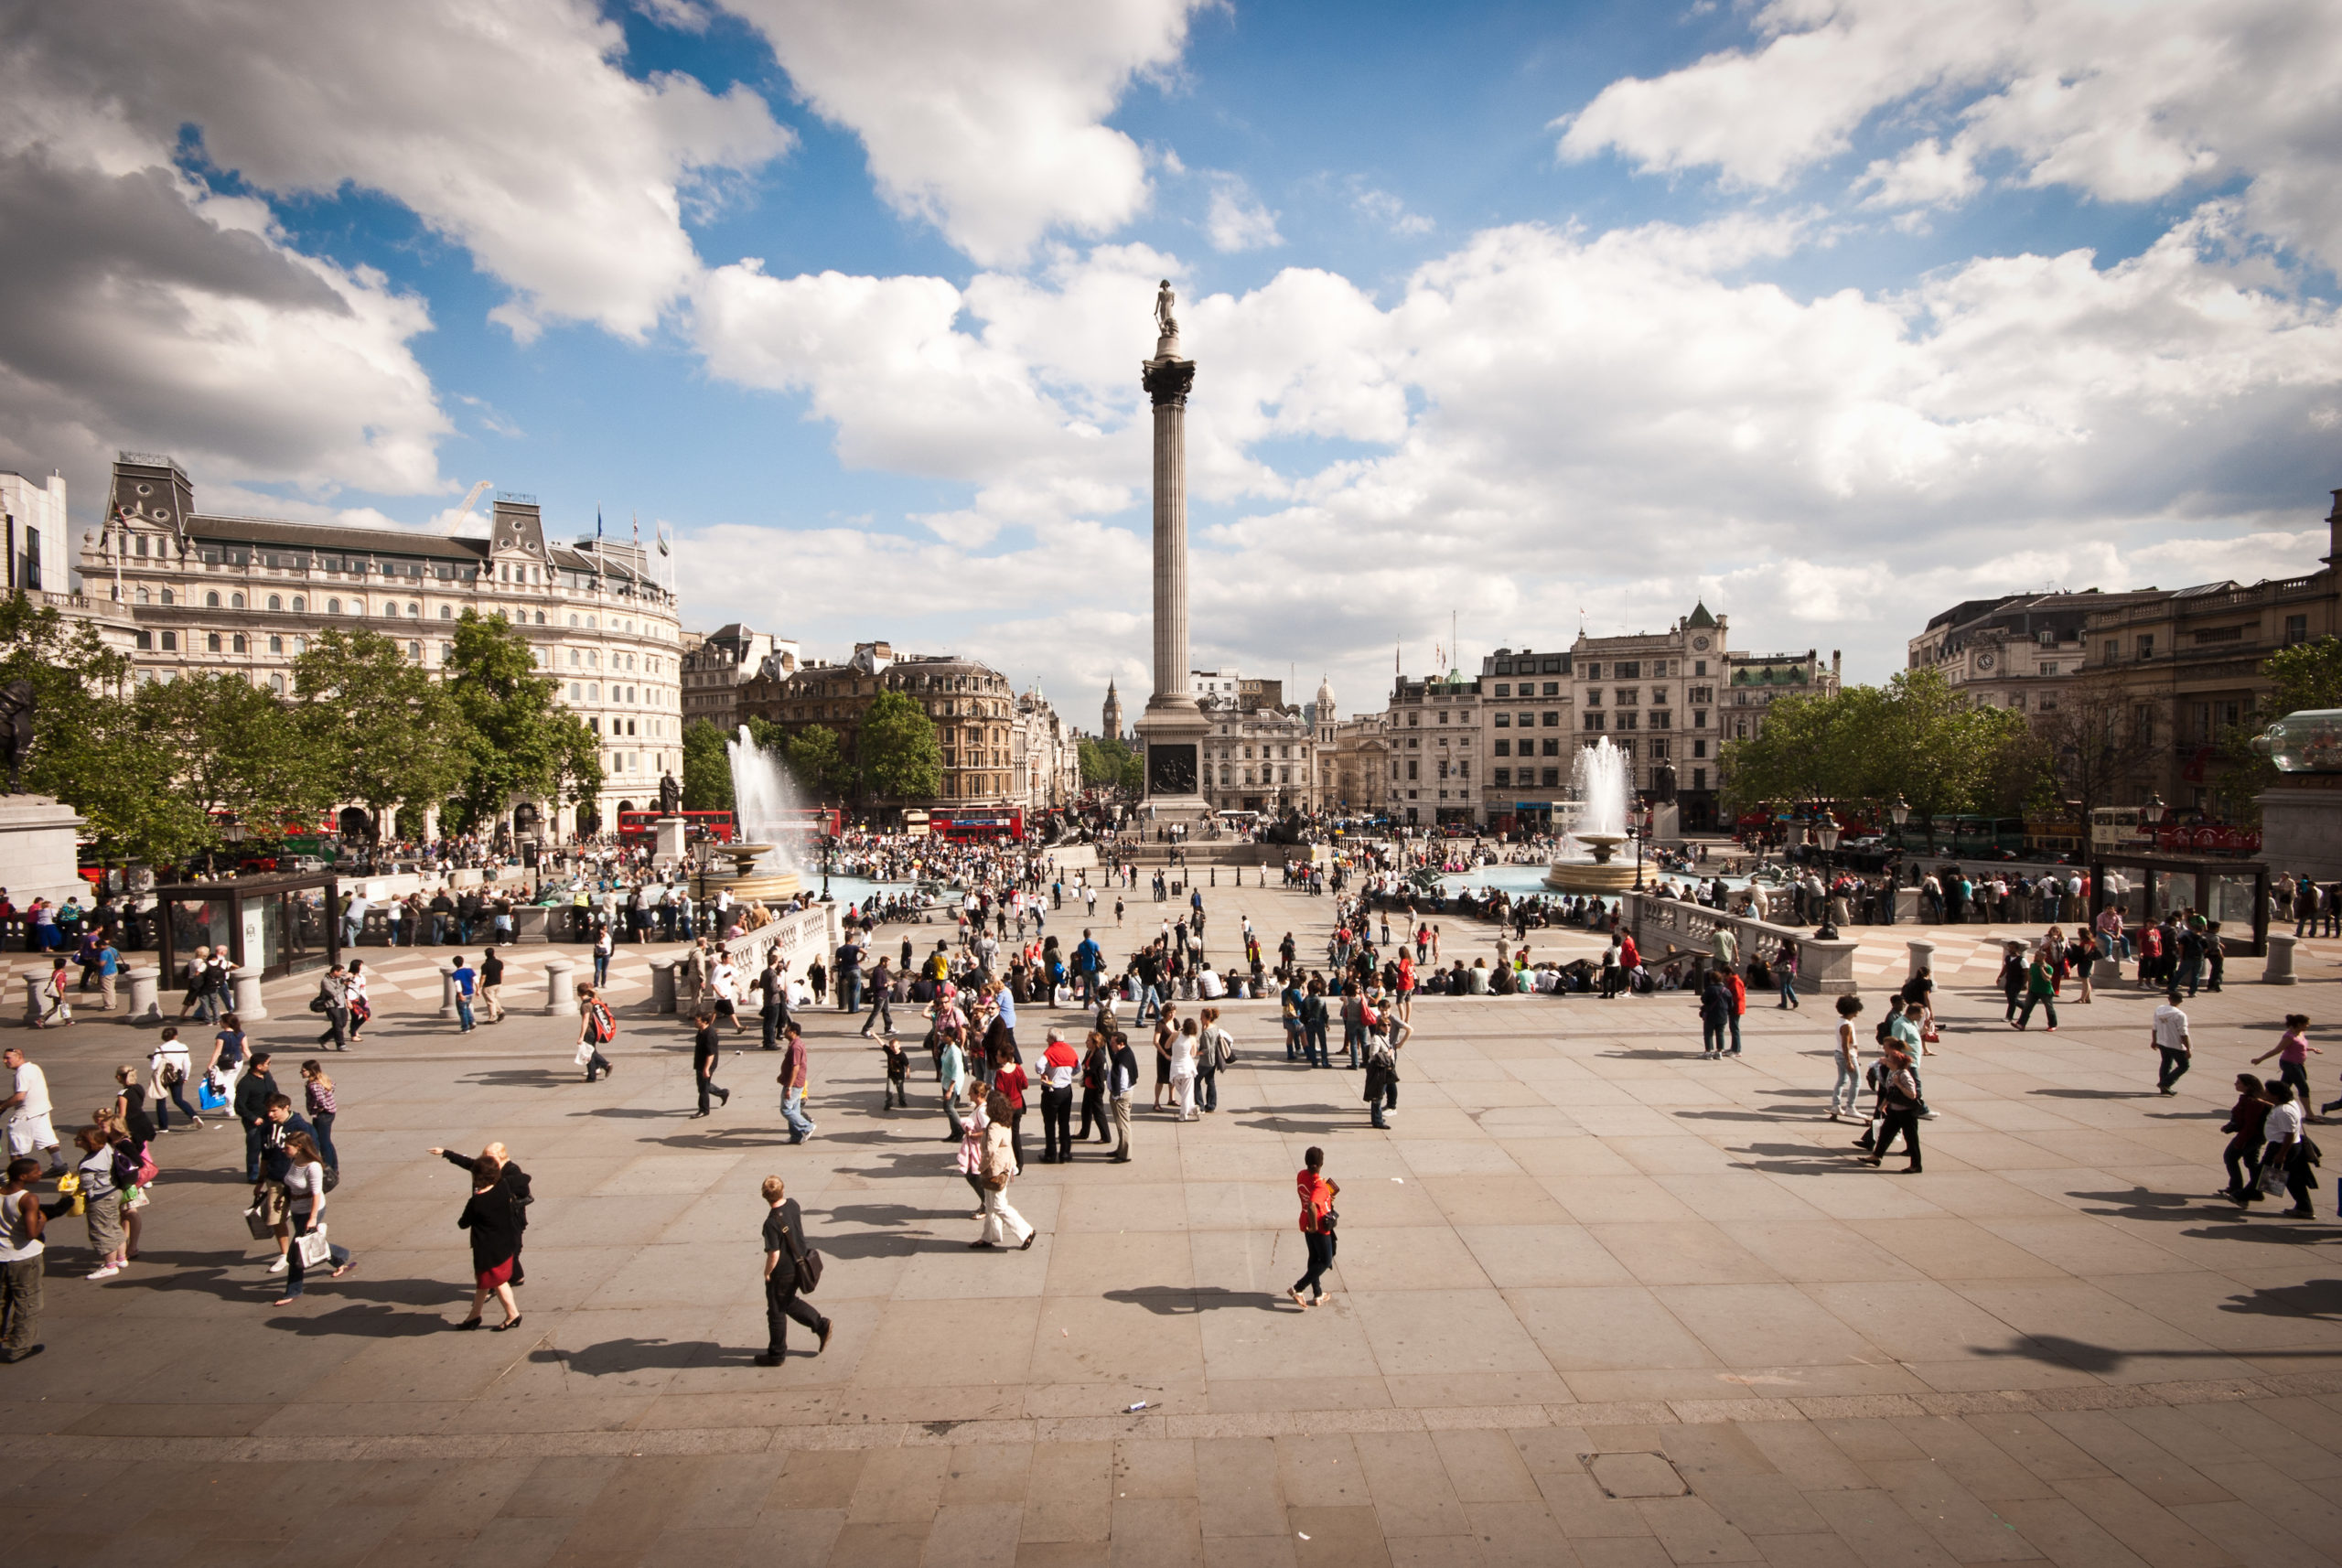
x,y
1636,1475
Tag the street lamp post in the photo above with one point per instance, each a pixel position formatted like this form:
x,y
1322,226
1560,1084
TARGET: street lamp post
x,y
1827,835
1635,832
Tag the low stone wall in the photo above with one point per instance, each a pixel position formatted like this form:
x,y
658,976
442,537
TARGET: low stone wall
x,y
1666,926
802,938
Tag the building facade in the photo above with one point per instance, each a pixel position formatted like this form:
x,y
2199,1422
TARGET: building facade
x,y
32,515
978,718
248,594
2018,651
1434,736
1528,699
714,667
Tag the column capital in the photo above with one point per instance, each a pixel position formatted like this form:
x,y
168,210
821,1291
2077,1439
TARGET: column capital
x,y
1167,380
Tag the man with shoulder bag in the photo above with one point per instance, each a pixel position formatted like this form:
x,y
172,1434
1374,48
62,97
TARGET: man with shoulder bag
x,y
791,1270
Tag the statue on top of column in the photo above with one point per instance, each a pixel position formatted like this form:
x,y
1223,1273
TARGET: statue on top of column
x,y
1163,300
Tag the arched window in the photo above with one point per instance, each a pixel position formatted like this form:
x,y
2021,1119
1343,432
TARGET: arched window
x,y
211,641
141,597
276,645
390,608
446,612
170,642
239,644
276,601
277,684
300,605
212,600
236,601
540,617
573,620
414,651
300,644
414,611
333,607
166,596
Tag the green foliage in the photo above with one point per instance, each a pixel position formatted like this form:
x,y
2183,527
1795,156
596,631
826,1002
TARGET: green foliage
x,y
1112,765
1913,737
707,767
383,729
899,757
232,749
819,765
2305,676
520,741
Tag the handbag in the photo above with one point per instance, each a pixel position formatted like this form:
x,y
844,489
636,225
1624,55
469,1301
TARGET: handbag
x,y
315,1250
256,1221
317,1003
70,1185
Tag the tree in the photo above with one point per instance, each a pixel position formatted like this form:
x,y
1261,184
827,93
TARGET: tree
x,y
2095,743
1112,764
2305,676
383,730
231,749
707,767
518,741
899,756
818,764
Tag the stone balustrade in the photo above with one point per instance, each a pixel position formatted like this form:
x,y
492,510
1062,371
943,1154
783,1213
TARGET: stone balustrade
x,y
802,937
1662,927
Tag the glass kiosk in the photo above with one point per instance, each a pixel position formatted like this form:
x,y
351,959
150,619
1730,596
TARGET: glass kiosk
x,y
269,926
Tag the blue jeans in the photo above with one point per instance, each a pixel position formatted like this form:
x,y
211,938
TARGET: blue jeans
x,y
1149,998
1789,986
1712,1034
1317,1052
1293,1040
293,1265
464,1012
321,1124
601,968
792,1111
1849,1085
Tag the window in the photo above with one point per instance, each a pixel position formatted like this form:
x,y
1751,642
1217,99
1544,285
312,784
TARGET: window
x,y
1464,769
1626,721
277,684
2146,647
2296,629
144,639
2049,668
1551,780
1593,722
236,601
1698,747
333,607
275,601
1698,779
166,596
1593,696
446,612
1552,689
141,545
2143,722
237,644
541,615
1504,775
211,642
1504,721
1594,672
1660,720
212,600
1625,697
414,651
1626,669
1443,715
1553,748
142,595
170,641
1504,688
391,608
2113,649
2220,634
1413,767
447,652
1504,748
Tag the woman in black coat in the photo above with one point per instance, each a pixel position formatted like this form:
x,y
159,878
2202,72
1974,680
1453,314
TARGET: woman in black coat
x,y
496,1216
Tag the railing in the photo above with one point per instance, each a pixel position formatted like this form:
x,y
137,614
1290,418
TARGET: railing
x,y
1826,967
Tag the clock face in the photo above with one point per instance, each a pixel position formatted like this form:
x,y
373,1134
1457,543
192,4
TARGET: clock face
x,y
1983,662
1700,643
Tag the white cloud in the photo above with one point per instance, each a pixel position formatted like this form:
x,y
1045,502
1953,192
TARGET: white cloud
x,y
984,117
1381,207
2122,103
507,125
1237,221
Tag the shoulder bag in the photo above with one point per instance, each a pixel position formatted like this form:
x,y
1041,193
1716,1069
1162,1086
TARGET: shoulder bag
x,y
805,1261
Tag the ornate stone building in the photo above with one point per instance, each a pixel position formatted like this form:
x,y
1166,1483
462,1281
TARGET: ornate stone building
x,y
249,594
716,666
1434,732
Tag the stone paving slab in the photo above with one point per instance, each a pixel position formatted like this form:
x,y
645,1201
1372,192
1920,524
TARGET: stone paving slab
x,y
1581,1253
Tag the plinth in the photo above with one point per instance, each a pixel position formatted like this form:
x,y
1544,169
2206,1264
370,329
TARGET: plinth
x,y
37,859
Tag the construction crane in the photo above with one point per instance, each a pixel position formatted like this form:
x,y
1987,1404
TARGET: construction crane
x,y
465,511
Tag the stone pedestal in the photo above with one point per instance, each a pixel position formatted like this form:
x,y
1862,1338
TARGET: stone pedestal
x,y
32,1004
662,984
560,990
2279,969
1923,956
447,993
36,853
145,995
532,925
669,844
250,1009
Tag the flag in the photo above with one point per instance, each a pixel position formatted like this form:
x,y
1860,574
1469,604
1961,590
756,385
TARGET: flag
x,y
597,522
662,541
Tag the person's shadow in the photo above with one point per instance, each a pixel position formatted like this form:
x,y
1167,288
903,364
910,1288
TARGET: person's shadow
x,y
1174,1301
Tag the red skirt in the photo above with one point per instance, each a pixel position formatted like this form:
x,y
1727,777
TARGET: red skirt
x,y
500,1276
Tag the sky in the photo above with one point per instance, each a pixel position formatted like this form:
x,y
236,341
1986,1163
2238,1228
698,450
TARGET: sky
x,y
1521,319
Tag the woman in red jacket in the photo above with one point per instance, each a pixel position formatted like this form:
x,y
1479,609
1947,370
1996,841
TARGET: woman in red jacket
x,y
1317,1196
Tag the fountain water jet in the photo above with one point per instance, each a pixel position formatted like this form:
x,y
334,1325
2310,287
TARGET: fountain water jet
x,y
763,807
1598,825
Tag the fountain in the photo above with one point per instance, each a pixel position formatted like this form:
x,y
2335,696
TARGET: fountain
x,y
762,813
1597,825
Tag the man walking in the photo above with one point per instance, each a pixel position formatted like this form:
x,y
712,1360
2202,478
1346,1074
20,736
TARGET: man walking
x,y
596,1027
787,1272
794,1070
706,1049
22,1221
772,997
882,1010
1058,1065
253,1091
26,1111
2167,1032
491,985
1087,962
849,976
334,992
466,979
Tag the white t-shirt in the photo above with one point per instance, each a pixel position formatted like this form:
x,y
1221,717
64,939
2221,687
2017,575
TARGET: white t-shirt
x,y
2171,1028
1848,1054
1208,986
33,1084
2285,1123
305,1181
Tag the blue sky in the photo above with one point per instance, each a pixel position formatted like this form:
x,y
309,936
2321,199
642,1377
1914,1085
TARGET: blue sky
x,y
1831,313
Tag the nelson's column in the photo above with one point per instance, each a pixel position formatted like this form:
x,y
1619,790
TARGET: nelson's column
x,y
1172,728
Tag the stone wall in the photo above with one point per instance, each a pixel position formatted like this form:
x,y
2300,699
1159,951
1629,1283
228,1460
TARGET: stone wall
x,y
1665,926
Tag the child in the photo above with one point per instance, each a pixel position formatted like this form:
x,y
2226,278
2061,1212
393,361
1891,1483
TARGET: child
x,y
898,1065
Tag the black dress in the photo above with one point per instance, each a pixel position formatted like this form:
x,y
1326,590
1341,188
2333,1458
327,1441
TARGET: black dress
x,y
496,1216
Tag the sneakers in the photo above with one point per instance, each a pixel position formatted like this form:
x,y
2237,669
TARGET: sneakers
x,y
105,1273
279,1266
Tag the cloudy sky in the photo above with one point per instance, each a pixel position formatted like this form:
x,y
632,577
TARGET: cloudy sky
x,y
1831,311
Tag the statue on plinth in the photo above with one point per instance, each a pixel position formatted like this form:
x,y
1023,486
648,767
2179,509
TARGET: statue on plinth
x,y
1165,321
670,795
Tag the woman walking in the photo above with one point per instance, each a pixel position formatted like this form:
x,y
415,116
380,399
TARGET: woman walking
x,y
1317,1195
361,1011
305,1190
130,1131
2083,957
999,1168
1216,1049
317,1093
1850,1061
100,1202
969,1159
496,1214
1899,1104
1180,1056
2293,1051
2248,1119
596,1027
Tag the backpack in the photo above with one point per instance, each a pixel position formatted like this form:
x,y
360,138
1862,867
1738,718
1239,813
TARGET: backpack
x,y
600,1025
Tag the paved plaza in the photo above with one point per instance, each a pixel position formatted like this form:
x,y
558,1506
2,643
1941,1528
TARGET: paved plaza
x,y
1597,1301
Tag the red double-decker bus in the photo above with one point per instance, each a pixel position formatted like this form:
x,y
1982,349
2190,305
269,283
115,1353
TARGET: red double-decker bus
x,y
641,827
981,825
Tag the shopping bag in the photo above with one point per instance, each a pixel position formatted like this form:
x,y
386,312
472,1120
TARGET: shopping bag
x,y
316,1252
208,1097
256,1221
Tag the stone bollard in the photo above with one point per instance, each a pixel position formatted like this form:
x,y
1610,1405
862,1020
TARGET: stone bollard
x,y
249,1005
663,985
33,982
146,994
561,991
2280,970
1923,956
447,993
